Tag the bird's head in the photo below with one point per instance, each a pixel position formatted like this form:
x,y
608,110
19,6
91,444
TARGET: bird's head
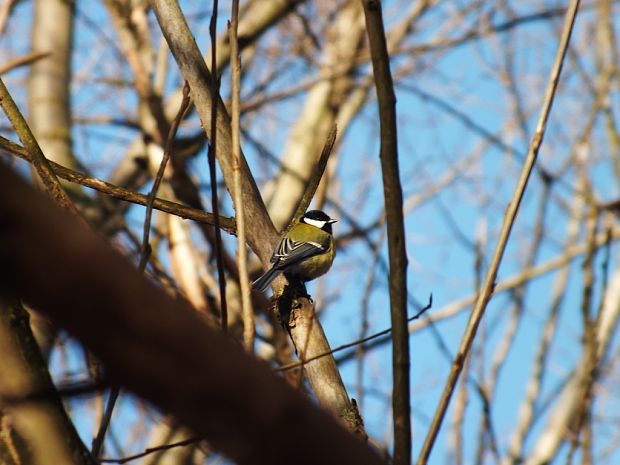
x,y
318,219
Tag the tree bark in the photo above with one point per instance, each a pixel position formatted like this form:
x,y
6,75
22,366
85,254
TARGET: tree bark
x,y
393,200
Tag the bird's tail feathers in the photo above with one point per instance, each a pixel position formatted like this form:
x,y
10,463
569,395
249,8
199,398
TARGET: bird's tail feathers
x,y
265,280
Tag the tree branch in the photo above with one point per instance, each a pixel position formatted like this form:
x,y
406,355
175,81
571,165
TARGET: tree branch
x,y
215,204
247,311
41,164
162,349
227,224
393,195
315,178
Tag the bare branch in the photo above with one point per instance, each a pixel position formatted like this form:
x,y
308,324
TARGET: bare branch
x,y
393,197
120,193
41,164
315,178
22,61
235,65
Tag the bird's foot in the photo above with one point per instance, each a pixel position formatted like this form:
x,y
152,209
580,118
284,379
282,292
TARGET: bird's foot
x,y
297,289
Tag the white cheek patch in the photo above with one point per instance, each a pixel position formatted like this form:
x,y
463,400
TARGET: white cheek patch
x,y
318,223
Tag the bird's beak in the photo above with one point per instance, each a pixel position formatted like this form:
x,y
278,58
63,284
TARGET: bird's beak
x,y
332,221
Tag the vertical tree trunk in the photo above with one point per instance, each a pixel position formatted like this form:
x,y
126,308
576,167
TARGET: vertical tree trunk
x,y
49,81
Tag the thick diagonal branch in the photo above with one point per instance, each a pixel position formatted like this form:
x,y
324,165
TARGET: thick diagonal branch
x,y
162,349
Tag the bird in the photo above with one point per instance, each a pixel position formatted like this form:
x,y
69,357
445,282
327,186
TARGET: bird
x,y
304,253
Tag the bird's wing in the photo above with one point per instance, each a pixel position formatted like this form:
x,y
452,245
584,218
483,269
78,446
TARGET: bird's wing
x,y
290,252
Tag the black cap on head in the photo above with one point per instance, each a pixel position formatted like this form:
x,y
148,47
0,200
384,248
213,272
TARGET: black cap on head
x,y
317,215
319,219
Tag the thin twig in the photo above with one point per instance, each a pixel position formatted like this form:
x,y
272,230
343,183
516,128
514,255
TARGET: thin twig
x,y
41,164
120,193
97,447
177,209
583,417
487,430
152,450
315,178
146,250
247,312
213,178
23,60
511,213
358,342
393,195
368,288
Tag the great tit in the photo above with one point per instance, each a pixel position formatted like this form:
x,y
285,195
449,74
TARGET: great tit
x,y
305,252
